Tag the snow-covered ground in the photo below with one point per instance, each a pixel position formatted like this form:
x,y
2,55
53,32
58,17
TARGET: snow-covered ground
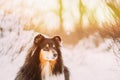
x,y
92,64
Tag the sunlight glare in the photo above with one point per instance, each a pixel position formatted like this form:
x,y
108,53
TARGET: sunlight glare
x,y
90,4
85,22
47,12
51,21
103,14
100,15
68,24
47,5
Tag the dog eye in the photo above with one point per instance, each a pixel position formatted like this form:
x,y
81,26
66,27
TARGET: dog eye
x,y
46,48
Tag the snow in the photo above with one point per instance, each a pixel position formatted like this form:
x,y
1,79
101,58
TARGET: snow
x,y
92,64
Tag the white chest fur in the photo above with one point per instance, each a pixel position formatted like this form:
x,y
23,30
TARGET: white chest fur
x,y
47,75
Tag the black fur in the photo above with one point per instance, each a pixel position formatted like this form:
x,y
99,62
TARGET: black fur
x,y
31,69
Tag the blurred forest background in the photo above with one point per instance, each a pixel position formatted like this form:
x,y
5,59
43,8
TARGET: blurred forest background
x,y
71,19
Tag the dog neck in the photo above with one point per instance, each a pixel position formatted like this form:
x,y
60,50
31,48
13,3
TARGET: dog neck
x,y
46,72
46,66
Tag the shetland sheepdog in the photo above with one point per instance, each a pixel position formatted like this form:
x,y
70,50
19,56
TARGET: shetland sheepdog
x,y
44,61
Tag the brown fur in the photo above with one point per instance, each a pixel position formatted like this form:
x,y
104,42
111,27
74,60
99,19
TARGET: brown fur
x,y
34,63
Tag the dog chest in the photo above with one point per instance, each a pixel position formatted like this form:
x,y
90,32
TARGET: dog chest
x,y
47,74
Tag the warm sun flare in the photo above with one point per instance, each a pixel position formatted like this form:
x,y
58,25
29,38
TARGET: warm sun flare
x,y
71,13
46,13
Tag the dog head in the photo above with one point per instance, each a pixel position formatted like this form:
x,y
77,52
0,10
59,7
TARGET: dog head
x,y
49,47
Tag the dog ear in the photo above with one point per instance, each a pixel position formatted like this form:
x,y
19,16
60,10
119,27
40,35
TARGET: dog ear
x,y
57,38
38,38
